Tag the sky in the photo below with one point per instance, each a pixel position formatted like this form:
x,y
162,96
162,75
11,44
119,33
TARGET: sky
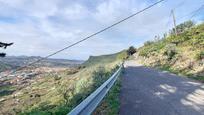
x,y
41,27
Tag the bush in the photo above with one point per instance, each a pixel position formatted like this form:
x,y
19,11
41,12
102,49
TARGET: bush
x,y
183,27
170,51
131,50
57,77
200,55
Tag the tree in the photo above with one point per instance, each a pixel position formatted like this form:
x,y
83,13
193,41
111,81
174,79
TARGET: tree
x,y
131,50
4,45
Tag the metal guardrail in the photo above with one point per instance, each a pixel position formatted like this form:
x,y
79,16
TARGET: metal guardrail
x,y
87,106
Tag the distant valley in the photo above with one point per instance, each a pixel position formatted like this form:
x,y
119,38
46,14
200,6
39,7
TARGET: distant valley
x,y
53,85
13,62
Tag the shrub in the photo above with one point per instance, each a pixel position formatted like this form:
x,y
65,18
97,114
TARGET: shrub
x,y
57,77
183,27
131,50
200,55
170,51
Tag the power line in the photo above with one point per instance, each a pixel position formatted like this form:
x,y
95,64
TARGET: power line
x,y
86,38
169,20
193,13
170,14
180,4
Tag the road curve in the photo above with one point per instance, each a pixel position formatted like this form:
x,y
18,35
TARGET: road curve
x,y
147,91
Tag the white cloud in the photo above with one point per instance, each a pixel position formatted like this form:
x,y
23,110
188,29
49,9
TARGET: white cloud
x,y
39,27
41,8
12,3
74,12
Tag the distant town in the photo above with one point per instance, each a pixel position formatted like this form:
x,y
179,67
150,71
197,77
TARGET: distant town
x,y
25,76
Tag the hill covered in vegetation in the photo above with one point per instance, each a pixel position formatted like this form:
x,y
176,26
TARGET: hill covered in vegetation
x,y
181,54
58,92
95,60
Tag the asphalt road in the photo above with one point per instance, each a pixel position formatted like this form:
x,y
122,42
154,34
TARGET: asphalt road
x,y
147,91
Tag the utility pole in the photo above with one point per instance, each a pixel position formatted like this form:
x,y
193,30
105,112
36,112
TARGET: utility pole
x,y
174,19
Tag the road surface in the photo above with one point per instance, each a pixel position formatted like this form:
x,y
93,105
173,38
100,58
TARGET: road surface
x,y
147,91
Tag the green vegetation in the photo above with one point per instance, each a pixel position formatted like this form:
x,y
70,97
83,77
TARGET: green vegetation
x,y
96,60
181,54
59,93
4,66
6,90
131,50
199,78
151,47
110,105
183,27
200,55
170,51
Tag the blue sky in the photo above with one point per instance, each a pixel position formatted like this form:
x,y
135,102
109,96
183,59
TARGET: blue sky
x,y
40,27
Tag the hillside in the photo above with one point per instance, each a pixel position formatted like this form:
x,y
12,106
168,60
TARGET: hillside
x,y
94,60
182,54
4,67
58,92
